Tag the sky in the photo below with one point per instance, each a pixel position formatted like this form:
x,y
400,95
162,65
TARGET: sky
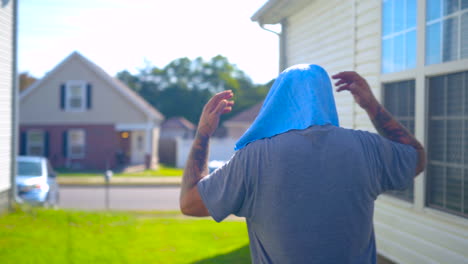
x,y
129,34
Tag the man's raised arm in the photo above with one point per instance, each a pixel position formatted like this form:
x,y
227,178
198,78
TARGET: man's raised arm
x,y
197,164
383,121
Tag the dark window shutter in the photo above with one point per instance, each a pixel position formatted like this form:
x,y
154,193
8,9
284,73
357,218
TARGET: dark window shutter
x,y
65,143
62,96
88,95
46,144
23,143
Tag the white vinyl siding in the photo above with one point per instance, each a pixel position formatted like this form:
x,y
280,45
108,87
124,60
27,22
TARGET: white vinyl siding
x,y
405,235
308,42
367,55
6,68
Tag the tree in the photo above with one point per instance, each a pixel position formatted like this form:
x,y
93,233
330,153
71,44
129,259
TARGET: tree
x,y
183,86
25,80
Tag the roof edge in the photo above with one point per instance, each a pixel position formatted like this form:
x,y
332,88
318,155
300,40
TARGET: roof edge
x,y
132,97
274,11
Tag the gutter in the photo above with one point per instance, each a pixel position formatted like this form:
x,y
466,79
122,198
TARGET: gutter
x,y
14,109
282,44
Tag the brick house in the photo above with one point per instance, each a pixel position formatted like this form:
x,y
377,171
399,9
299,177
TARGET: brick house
x,y
82,118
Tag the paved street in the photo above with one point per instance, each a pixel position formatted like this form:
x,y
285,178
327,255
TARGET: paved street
x,y
120,198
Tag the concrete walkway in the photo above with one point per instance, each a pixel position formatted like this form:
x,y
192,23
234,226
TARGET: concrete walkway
x,y
123,181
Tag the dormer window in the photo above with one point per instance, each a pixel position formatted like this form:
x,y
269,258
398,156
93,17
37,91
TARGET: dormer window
x,y
76,96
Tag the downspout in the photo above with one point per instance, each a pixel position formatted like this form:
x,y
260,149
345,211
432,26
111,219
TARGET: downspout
x,y
14,109
282,43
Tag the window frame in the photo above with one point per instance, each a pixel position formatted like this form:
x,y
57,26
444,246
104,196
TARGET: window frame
x,y
68,96
401,194
35,144
458,15
70,144
404,33
445,164
420,73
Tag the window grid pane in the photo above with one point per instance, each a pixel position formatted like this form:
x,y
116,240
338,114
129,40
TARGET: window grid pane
x,y
464,36
447,175
433,10
399,100
450,39
446,31
398,35
76,148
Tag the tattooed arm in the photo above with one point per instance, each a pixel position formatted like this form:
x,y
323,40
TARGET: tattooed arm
x,y
197,164
383,121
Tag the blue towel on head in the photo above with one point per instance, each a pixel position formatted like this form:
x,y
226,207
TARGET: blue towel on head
x,y
301,96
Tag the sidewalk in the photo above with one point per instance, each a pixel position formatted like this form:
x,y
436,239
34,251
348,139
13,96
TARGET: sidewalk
x,y
124,181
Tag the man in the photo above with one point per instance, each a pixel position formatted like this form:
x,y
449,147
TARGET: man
x,y
305,186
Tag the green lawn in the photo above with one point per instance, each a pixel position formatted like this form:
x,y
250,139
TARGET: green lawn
x,y
56,236
163,171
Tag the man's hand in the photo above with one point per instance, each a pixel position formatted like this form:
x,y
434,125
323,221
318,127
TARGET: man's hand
x,y
359,88
218,105
383,121
197,163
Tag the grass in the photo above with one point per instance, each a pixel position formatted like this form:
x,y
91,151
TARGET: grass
x,y
163,171
56,236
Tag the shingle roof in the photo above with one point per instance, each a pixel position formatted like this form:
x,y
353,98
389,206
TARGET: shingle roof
x,y
247,116
178,122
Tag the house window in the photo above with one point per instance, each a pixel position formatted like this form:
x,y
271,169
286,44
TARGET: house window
x,y
446,30
35,143
76,143
75,96
400,101
447,173
398,35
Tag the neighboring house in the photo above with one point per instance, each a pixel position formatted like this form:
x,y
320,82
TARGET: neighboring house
x,y
82,118
172,129
8,14
238,124
177,127
414,54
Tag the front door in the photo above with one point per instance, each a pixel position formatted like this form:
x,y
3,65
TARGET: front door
x,y
138,147
123,153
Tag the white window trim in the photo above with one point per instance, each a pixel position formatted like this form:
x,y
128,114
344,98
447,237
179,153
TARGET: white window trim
x,y
68,96
420,74
69,144
29,143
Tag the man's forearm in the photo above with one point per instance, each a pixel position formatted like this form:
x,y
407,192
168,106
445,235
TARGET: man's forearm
x,y
197,163
391,129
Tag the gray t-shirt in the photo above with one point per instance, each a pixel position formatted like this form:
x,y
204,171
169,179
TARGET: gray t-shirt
x,y
308,195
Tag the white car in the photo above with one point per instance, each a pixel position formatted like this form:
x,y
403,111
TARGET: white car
x,y
36,181
215,164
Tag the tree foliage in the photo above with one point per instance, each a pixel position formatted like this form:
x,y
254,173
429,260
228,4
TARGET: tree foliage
x,y
25,80
183,86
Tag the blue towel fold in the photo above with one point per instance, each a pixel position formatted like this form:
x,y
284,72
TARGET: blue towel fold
x,y
301,96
